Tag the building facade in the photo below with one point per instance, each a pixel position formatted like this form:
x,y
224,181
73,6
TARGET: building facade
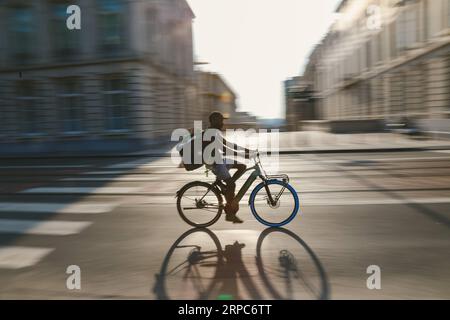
x,y
215,95
386,60
122,82
299,100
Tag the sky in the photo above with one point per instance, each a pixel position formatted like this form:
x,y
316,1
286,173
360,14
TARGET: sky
x,y
257,44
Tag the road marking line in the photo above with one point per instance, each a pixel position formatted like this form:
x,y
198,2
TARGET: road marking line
x,y
73,208
129,164
36,227
12,257
106,172
125,178
83,190
168,200
336,202
45,167
145,166
381,160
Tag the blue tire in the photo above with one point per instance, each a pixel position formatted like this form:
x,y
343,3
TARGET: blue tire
x,y
265,222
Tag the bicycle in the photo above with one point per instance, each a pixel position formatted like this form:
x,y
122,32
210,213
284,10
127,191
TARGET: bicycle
x,y
200,204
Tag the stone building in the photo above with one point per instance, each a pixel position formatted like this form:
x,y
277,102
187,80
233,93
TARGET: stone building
x,y
386,60
300,98
123,82
215,95
299,102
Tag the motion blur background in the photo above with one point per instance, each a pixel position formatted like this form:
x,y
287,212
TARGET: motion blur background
x,y
360,90
388,63
129,77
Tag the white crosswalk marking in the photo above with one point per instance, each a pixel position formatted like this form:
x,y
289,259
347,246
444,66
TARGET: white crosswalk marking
x,y
73,208
129,164
36,227
160,179
350,202
105,172
125,178
168,200
82,190
46,167
12,257
17,257
166,162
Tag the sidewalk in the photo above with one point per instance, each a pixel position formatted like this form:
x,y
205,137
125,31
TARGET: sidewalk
x,y
323,142
296,143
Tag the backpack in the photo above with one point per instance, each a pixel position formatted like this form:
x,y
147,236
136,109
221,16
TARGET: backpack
x,y
189,143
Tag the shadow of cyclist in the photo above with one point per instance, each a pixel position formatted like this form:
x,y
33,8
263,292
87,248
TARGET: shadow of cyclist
x,y
233,270
229,269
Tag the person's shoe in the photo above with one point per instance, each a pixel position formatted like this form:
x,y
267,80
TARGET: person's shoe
x,y
233,218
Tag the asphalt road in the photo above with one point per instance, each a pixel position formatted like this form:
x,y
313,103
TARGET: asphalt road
x,y
116,219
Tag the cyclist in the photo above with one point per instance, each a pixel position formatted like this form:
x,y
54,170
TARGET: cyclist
x,y
221,165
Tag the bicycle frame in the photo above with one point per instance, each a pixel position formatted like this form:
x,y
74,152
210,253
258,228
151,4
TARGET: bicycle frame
x,y
258,171
248,183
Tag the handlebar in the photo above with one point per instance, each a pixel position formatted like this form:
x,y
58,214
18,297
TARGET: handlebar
x,y
257,159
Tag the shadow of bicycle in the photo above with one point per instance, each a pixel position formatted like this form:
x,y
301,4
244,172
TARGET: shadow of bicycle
x,y
198,267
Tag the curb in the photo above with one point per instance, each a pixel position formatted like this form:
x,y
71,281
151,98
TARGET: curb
x,y
167,154
372,150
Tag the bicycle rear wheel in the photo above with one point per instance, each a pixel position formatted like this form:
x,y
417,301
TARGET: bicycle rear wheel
x,y
199,204
276,214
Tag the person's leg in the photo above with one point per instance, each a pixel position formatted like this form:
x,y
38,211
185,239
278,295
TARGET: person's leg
x,y
222,173
233,204
240,170
231,208
230,190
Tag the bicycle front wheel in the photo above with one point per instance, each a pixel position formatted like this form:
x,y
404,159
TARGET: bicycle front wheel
x,y
199,204
282,210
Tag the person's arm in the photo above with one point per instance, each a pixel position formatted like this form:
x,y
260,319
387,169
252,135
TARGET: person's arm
x,y
235,148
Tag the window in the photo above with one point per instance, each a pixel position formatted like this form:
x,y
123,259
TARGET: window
x,y
152,31
410,26
27,108
393,40
111,22
448,13
70,103
407,29
368,54
116,111
65,41
376,49
400,30
434,17
20,27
